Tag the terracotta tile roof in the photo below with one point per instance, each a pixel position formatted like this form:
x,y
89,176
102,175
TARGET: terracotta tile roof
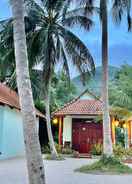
x,y
10,98
81,107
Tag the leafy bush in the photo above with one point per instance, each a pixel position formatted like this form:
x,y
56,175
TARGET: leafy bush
x,y
109,160
128,153
45,149
119,151
58,148
97,149
67,150
108,165
49,157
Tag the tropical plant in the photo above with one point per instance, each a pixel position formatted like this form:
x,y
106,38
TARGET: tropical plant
x,y
67,151
33,152
7,58
97,149
107,141
52,42
7,65
59,87
120,113
66,43
119,151
121,88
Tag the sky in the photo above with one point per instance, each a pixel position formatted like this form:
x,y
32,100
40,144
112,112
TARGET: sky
x,y
120,41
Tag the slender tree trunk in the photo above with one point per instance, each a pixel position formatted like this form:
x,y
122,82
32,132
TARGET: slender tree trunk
x,y
107,140
54,154
33,152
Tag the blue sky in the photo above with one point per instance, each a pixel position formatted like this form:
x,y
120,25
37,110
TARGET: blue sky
x,y
120,41
4,9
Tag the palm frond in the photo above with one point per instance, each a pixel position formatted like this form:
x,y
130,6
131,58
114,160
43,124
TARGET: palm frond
x,y
65,9
84,10
75,44
79,53
82,21
129,19
65,63
36,13
88,2
119,9
58,48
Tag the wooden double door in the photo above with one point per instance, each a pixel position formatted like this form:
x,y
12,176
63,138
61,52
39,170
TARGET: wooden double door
x,y
85,135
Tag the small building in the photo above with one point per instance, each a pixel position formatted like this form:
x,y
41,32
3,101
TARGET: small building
x,y
11,129
80,124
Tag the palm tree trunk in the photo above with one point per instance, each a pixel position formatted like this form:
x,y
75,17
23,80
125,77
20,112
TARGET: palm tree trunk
x,y
107,143
54,154
33,152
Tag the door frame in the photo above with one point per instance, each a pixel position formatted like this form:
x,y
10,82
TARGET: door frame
x,y
77,120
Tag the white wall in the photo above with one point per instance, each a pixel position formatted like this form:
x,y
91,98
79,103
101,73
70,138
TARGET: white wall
x,y
67,129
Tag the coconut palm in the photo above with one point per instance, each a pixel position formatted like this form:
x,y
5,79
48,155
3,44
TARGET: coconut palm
x,y
33,153
107,144
52,42
67,45
107,141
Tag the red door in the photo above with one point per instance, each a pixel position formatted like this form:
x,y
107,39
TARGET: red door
x,y
85,135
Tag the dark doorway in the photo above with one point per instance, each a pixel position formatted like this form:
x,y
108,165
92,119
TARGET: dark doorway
x,y
43,137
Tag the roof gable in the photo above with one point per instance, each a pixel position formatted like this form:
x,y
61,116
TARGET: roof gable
x,y
86,104
87,96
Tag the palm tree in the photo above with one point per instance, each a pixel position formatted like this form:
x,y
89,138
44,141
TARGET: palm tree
x,y
121,8
33,153
52,42
107,141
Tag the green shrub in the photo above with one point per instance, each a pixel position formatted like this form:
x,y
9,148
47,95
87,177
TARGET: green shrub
x,y
128,153
67,150
108,165
119,151
45,149
49,157
58,148
97,149
109,160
